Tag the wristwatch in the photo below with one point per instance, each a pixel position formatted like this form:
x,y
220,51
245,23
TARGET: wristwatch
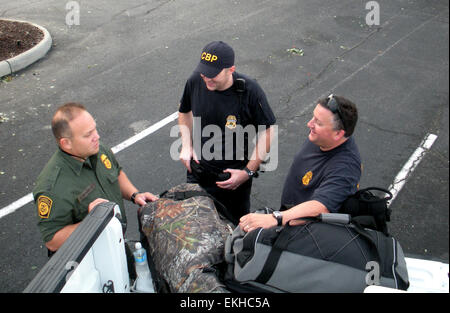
x,y
279,217
251,173
133,196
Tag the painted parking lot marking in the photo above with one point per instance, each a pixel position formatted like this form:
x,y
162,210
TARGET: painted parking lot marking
x,y
410,165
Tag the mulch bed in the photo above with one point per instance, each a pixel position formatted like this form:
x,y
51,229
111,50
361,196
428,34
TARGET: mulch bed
x,y
17,37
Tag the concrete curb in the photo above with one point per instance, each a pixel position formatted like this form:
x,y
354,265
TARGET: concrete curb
x,y
28,57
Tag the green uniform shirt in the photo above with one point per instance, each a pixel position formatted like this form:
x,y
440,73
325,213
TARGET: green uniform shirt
x,y
66,186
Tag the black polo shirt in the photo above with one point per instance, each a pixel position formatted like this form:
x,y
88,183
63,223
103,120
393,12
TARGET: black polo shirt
x,y
227,120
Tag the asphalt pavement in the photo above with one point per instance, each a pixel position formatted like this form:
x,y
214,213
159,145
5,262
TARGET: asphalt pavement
x,y
127,61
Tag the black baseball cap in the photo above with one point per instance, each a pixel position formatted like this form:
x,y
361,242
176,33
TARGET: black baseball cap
x,y
215,56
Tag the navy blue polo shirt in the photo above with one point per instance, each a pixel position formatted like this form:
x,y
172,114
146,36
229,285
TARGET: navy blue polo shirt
x,y
326,176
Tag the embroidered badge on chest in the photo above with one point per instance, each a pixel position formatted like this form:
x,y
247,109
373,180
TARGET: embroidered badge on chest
x,y
231,122
106,162
307,178
44,206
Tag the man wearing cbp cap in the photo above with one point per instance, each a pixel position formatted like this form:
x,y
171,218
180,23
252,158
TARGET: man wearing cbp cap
x,y
219,103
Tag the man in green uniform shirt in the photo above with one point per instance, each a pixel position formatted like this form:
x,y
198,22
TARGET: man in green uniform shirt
x,y
81,174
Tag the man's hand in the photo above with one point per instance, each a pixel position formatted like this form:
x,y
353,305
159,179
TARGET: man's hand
x,y
142,198
291,217
238,177
95,202
186,155
253,221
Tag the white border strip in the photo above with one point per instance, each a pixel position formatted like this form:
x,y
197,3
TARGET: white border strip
x,y
410,166
123,145
16,205
145,133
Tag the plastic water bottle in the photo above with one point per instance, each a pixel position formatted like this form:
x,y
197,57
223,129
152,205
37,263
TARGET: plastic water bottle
x,y
144,282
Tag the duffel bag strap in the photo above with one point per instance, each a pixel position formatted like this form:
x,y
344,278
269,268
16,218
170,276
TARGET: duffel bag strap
x,y
278,247
388,194
183,195
282,242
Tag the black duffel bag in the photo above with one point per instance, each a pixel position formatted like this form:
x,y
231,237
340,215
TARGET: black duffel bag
x,y
327,254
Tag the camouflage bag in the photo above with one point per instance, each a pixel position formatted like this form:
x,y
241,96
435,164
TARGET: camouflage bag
x,y
186,238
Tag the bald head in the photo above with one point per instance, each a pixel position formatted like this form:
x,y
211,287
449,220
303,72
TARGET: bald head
x,y
65,114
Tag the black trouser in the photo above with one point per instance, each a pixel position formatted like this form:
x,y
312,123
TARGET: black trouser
x,y
236,202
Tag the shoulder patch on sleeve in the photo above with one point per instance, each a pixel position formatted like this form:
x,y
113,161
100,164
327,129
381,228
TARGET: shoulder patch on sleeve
x,y
44,205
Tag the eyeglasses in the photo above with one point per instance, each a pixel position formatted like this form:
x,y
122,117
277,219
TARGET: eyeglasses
x,y
334,108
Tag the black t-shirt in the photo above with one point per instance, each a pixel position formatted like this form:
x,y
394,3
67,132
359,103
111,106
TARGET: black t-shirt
x,y
328,177
227,119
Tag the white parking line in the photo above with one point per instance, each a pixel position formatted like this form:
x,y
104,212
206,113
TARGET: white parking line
x,y
411,165
148,131
16,205
121,146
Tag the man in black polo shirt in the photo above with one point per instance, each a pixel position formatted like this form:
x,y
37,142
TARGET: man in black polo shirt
x,y
225,107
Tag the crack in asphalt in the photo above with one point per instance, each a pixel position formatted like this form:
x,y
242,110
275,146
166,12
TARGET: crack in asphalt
x,y
138,6
391,131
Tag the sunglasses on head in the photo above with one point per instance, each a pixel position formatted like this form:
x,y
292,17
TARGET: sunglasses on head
x,y
334,107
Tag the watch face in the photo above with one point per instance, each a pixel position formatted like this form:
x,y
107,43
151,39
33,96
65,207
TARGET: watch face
x,y
277,215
